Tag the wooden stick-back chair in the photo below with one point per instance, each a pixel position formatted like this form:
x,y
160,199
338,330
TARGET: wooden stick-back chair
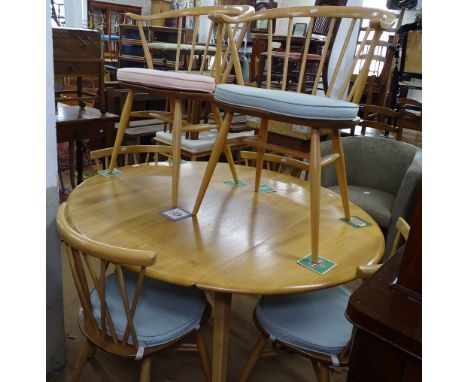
x,y
131,154
336,110
277,318
186,81
122,298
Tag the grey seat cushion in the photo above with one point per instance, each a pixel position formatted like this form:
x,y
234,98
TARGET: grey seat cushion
x,y
164,312
313,321
376,203
291,104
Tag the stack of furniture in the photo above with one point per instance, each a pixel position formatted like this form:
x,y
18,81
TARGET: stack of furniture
x,y
106,18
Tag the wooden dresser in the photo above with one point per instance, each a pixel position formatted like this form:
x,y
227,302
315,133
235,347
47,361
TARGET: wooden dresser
x,y
386,312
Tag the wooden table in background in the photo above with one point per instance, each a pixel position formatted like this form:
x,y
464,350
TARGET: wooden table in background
x,y
74,124
240,242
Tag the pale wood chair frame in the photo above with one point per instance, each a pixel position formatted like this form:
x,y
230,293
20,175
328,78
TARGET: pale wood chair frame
x,y
222,66
378,22
131,152
80,250
320,362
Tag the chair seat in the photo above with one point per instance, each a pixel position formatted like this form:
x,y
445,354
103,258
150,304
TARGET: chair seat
x,y
164,312
160,79
313,321
293,55
376,203
183,47
204,143
292,104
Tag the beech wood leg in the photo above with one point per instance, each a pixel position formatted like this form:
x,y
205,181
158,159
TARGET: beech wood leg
x,y
315,175
176,148
203,353
262,133
324,374
80,362
227,148
145,371
341,172
214,157
72,162
124,119
222,310
253,358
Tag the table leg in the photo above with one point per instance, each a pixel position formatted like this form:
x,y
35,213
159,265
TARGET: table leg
x,y
79,160
72,162
222,310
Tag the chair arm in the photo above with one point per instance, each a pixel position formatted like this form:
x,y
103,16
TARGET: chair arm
x,y
405,199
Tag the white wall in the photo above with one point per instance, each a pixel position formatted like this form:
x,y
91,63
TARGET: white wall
x,y
55,333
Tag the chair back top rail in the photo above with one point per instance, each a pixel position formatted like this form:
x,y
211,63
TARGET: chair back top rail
x,y
135,151
221,55
375,21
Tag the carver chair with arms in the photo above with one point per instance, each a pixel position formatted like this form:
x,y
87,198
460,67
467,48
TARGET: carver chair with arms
x,y
336,110
193,79
128,314
312,324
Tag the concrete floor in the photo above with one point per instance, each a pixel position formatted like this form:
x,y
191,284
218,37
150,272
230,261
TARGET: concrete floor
x,y
170,366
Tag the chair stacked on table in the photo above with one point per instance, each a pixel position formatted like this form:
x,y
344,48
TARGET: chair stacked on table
x,y
336,110
193,78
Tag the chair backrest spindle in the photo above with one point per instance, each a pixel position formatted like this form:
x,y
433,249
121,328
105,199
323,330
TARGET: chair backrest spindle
x,y
98,257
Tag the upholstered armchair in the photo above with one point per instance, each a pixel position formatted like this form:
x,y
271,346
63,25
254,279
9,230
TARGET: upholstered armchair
x,y
384,178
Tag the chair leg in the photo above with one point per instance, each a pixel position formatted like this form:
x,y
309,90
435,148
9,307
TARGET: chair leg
x,y
176,146
341,172
80,362
253,358
263,134
315,176
123,124
145,371
227,148
203,353
215,153
324,374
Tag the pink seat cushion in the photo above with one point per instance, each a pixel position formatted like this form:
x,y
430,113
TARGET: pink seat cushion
x,y
167,79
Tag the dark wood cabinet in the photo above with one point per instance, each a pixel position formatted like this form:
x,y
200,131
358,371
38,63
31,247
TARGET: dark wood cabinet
x,y
131,51
387,313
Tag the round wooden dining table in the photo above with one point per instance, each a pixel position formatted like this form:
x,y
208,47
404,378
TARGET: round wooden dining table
x,y
240,241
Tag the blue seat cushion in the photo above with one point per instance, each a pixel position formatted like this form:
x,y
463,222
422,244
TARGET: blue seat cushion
x,y
313,321
376,203
290,104
164,312
113,37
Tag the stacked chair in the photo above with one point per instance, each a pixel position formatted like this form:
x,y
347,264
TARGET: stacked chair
x,y
335,110
198,67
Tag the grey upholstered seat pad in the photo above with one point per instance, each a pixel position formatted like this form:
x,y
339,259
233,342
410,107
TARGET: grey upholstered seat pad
x,y
376,203
164,311
314,321
291,104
